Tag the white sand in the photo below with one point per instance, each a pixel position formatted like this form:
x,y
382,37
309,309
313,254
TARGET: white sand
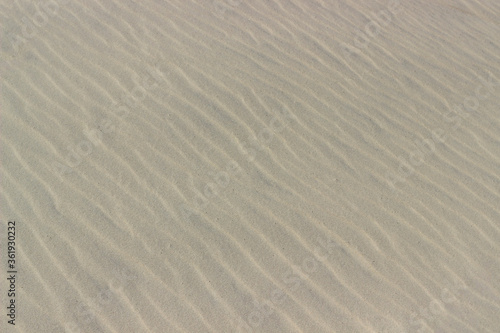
x,y
251,166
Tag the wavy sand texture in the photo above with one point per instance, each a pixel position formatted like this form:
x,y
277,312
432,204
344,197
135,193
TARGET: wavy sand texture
x,y
251,166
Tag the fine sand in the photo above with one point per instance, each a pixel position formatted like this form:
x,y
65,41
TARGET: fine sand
x,y
250,166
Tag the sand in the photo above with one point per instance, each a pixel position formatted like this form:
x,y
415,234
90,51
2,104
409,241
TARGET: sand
x,y
250,166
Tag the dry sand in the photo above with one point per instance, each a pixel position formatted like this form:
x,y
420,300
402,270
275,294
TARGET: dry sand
x,y
251,166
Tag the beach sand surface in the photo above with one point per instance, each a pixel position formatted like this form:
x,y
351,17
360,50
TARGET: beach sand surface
x,y
250,166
